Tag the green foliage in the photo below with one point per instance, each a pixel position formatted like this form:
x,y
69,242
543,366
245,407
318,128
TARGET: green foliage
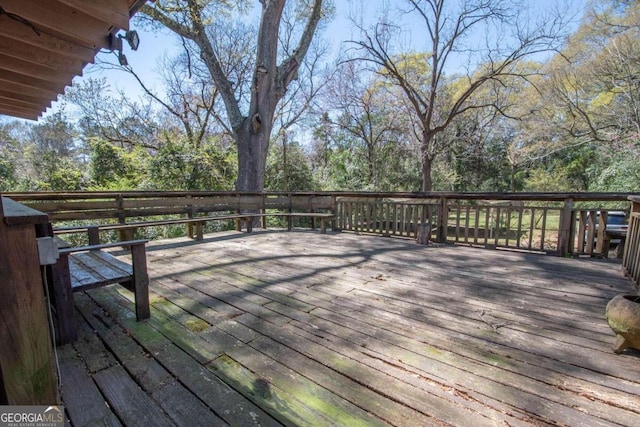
x,y
179,167
114,168
53,156
294,174
543,180
7,174
576,129
107,163
622,175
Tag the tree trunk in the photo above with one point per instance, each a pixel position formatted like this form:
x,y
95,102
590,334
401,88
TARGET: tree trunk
x,y
269,83
252,156
427,184
512,178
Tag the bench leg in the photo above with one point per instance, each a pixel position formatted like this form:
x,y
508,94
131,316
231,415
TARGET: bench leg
x,y
94,235
127,234
140,282
61,296
323,226
199,231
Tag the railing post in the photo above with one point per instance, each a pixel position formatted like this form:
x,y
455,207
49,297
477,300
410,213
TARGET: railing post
x,y
443,219
631,257
564,230
190,215
572,234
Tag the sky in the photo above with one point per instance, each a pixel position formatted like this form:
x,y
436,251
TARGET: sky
x,y
153,45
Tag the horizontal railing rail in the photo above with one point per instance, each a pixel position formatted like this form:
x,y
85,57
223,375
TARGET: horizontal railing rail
x,y
561,223
128,212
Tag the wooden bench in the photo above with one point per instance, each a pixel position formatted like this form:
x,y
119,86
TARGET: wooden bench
x,y
87,267
323,216
196,225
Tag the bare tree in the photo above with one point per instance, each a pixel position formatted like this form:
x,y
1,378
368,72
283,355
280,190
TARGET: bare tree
x,y
367,113
506,36
300,98
113,117
271,77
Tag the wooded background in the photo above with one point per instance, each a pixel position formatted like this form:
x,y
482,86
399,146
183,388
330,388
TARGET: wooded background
x,y
497,100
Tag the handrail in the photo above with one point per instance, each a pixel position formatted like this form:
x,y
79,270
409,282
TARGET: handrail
x,y
543,222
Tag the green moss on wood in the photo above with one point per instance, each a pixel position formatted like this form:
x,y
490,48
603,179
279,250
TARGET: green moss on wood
x,y
196,325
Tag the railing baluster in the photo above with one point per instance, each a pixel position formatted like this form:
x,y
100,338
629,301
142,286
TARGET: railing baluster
x,y
497,232
544,227
466,224
487,224
476,224
519,233
457,206
532,225
507,226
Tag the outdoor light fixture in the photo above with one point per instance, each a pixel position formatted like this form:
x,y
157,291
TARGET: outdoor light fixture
x,y
132,38
115,44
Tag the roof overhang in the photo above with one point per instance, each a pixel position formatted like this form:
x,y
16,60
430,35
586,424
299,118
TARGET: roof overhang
x,y
44,44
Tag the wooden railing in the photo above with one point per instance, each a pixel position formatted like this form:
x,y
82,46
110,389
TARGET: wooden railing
x,y
631,259
560,223
130,212
127,206
552,223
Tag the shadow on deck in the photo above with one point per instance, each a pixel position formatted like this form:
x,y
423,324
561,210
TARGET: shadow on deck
x,y
308,329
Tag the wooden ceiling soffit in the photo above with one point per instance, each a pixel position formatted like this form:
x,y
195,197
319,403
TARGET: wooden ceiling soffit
x,y
17,112
45,43
69,23
23,104
14,105
34,70
27,90
113,12
37,55
21,79
22,98
18,31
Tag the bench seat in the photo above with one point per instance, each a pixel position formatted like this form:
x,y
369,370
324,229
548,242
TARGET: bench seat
x,y
87,267
97,268
127,230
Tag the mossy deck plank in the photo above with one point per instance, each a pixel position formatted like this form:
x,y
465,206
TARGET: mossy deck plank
x,y
128,400
181,406
218,395
82,399
307,329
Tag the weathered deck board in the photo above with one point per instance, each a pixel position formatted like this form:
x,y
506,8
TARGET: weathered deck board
x,y
309,329
82,399
178,403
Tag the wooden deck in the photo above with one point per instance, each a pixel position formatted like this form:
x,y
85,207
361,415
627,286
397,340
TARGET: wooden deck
x,y
300,328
